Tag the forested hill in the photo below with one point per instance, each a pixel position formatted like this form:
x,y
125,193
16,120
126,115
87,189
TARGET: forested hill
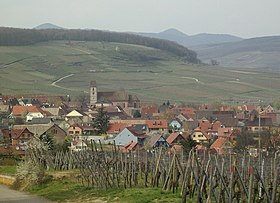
x,y
16,36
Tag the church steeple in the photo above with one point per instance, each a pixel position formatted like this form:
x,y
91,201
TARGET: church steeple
x,y
93,93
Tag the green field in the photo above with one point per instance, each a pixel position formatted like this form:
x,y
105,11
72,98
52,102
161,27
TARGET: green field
x,y
152,74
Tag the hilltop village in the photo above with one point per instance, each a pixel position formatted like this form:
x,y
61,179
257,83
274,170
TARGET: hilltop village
x,y
121,119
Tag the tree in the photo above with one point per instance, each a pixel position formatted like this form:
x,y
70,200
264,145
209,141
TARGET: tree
x,y
188,144
48,141
216,105
276,105
244,140
168,103
101,121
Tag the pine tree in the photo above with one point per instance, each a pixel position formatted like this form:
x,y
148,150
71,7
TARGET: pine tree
x,y
188,144
101,122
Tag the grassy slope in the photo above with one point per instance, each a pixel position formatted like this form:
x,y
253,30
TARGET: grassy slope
x,y
7,170
262,52
162,76
65,188
68,191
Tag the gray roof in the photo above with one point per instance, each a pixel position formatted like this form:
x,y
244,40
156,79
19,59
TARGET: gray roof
x,y
40,121
37,129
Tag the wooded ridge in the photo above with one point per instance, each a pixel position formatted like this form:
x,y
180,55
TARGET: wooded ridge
x,y
16,36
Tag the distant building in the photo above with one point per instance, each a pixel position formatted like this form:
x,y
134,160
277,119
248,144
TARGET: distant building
x,y
115,98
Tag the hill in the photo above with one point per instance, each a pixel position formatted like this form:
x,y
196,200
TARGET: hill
x,y
261,52
67,67
192,40
14,36
45,26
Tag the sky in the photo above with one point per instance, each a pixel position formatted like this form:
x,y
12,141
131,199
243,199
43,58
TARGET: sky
x,y
243,18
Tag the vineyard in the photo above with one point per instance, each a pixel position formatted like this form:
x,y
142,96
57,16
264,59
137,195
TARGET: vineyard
x,y
200,177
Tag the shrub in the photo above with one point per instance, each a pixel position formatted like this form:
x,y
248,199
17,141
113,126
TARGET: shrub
x,y
28,174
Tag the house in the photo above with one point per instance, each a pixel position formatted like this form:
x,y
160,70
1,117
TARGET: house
x,y
156,141
78,145
157,125
141,127
132,146
39,130
74,114
175,124
129,134
64,125
199,136
56,112
78,117
57,133
18,111
31,115
115,128
187,111
176,138
149,110
229,133
40,121
18,138
74,130
87,129
188,123
222,146
261,123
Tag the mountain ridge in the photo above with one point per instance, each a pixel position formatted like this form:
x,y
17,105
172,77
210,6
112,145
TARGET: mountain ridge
x,y
258,52
45,26
175,35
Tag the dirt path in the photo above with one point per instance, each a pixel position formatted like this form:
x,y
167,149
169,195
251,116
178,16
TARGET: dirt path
x,y
55,85
9,196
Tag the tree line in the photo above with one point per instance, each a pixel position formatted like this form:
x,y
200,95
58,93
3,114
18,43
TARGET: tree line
x,y
17,37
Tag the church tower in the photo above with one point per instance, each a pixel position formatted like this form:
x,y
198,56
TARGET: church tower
x,y
93,93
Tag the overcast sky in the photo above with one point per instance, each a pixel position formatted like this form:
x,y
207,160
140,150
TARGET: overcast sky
x,y
244,18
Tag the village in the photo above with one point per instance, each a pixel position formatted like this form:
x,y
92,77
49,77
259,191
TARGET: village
x,y
120,118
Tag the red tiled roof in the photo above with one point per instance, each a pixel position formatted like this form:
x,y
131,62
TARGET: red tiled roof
x,y
130,146
173,137
216,125
116,127
19,110
149,110
154,124
224,132
204,125
218,143
189,111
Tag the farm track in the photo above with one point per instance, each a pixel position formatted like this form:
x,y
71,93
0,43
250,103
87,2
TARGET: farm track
x,y
8,195
60,79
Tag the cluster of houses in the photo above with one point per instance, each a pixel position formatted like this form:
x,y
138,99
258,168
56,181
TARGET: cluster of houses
x,y
132,124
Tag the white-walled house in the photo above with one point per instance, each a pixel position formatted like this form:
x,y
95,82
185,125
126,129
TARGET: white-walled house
x,y
78,145
32,115
128,135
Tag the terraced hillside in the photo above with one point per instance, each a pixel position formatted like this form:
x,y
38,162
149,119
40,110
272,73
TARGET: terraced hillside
x,y
67,67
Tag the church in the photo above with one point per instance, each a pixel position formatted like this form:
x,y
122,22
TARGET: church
x,y
112,98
